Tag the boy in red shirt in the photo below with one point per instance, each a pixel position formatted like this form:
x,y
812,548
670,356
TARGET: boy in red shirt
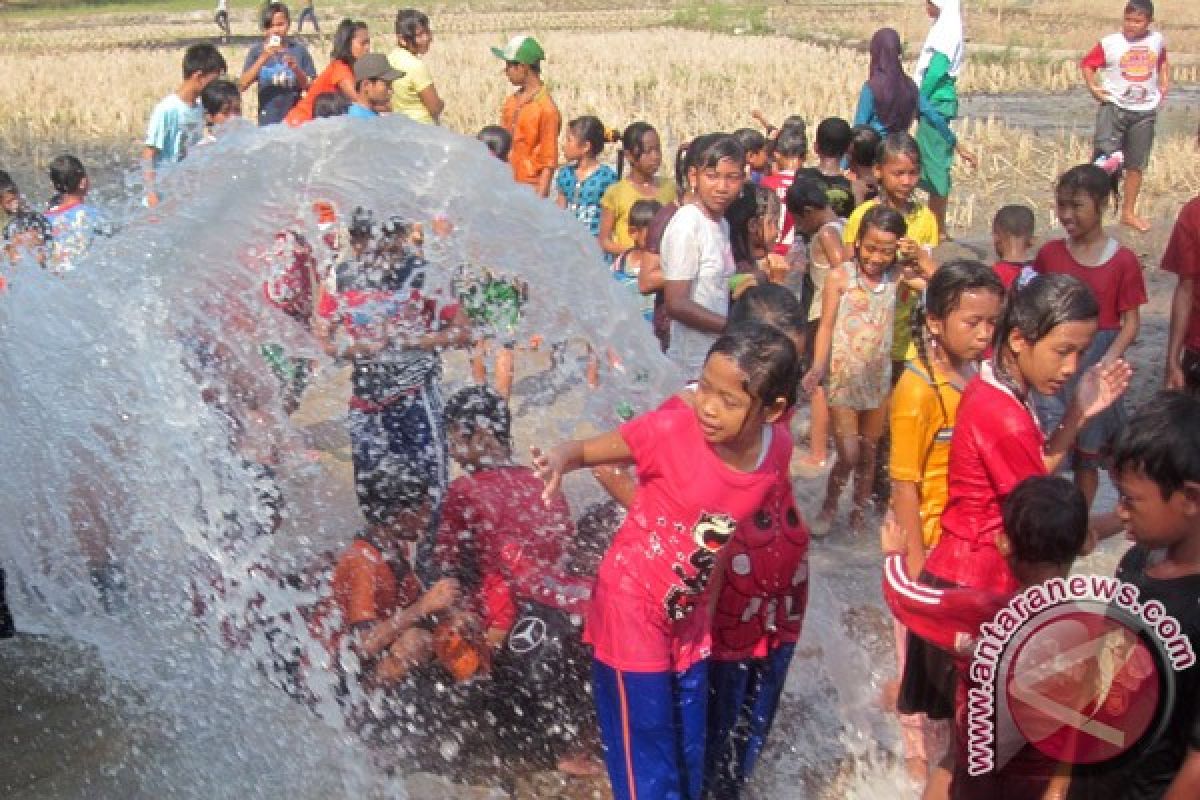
x,y
1045,527
1183,343
1012,236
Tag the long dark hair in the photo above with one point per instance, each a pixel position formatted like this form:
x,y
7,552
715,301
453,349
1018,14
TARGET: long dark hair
x,y
632,142
752,203
1034,310
342,38
766,356
410,22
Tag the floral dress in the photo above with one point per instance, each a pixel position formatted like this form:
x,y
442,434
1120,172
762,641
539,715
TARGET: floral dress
x,y
860,362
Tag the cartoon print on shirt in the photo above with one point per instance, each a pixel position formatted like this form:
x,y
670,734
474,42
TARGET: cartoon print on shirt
x,y
710,533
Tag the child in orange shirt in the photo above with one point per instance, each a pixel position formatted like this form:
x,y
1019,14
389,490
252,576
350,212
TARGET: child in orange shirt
x,y
529,115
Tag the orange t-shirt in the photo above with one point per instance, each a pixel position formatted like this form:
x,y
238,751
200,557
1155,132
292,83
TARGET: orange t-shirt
x,y
367,588
327,81
534,125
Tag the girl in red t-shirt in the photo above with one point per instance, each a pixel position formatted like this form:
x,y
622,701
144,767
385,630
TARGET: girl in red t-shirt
x,y
1047,327
703,472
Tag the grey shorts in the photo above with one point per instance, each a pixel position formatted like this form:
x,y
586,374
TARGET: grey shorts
x,y
1131,132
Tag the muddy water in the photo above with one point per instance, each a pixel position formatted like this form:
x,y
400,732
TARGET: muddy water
x,y
1074,112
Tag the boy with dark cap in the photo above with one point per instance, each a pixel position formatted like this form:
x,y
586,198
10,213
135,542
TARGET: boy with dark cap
x,y
529,114
373,76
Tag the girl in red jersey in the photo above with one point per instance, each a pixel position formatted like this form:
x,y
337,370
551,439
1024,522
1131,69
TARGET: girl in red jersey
x,y
703,472
1047,326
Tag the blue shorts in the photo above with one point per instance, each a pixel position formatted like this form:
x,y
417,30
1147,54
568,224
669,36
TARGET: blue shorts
x,y
743,697
652,725
1094,442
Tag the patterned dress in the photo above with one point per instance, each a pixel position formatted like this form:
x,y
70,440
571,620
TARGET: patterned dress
x,y
860,364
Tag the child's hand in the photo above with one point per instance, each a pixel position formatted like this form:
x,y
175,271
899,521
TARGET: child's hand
x,y
891,538
758,116
812,379
440,596
1100,93
549,469
1101,386
777,267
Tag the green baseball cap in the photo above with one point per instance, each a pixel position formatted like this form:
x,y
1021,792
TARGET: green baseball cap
x,y
521,48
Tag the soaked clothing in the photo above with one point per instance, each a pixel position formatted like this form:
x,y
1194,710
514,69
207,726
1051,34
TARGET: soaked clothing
x,y
860,364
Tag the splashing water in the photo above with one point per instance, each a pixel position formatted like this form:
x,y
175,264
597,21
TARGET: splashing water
x,y
109,444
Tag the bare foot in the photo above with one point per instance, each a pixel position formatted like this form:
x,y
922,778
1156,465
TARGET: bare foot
x,y
580,765
1135,222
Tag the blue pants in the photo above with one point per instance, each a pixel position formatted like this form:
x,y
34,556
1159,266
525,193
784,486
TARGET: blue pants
x,y
743,697
652,725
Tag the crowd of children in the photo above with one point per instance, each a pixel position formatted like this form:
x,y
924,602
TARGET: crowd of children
x,y
770,284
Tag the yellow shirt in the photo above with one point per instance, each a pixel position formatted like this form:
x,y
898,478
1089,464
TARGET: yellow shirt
x,y
405,90
922,229
619,199
921,442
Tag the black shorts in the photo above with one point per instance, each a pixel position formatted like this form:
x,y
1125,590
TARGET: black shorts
x,y
929,682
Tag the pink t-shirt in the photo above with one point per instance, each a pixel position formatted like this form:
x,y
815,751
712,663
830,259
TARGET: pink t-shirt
x,y
647,610
996,445
779,183
1117,283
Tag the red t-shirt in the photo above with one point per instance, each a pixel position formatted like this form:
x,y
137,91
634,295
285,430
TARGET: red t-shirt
x,y
1008,272
688,505
1117,283
996,445
780,182
1183,258
507,545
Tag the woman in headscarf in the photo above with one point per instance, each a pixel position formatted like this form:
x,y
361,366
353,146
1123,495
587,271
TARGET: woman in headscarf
x,y
888,101
937,73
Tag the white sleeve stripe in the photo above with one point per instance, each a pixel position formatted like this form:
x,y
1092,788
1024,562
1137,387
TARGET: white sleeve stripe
x,y
898,579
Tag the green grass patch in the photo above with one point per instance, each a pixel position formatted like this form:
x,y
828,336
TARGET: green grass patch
x,y
723,17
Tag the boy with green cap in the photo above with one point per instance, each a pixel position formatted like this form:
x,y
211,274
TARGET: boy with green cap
x,y
529,114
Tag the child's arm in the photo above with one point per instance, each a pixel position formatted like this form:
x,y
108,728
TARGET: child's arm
x,y
831,245
608,223
545,153
906,506
1164,74
1100,387
1181,309
1130,323
560,199
619,484
1090,66
149,176
379,637
681,308
835,284
551,466
650,276
761,118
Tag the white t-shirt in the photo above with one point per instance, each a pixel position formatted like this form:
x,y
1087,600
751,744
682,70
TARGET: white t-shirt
x,y
1129,70
695,248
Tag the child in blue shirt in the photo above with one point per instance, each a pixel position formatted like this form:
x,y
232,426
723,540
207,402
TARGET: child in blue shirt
x,y
74,223
177,122
582,183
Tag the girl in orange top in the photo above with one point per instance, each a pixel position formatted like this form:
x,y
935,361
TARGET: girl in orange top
x,y
350,43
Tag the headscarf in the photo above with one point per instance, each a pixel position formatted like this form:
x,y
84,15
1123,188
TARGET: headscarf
x,y
945,37
895,93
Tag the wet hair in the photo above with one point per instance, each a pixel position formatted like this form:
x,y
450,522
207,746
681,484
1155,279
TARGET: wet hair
x,y
330,104
497,139
833,137
1162,441
1015,220
752,203
219,96
791,143
1045,520
769,304
67,174
1088,179
382,493
882,218
750,139
591,131
203,59
1143,6
895,145
864,146
480,408
943,294
642,213
1035,309
766,356
270,10
343,37
632,142
688,155
410,22
806,192
7,184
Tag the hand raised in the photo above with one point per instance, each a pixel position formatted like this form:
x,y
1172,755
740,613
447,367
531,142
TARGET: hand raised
x,y
1101,386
